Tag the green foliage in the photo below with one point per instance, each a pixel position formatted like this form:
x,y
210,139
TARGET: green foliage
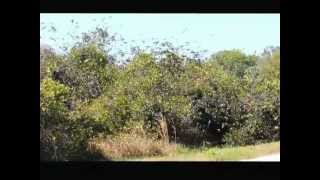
x,y
93,62
52,95
268,107
62,137
88,57
48,62
234,61
243,134
232,98
53,115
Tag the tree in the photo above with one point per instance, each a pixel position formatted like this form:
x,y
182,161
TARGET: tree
x,y
231,98
234,61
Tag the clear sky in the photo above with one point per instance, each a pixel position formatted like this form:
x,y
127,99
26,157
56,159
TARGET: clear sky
x,y
212,32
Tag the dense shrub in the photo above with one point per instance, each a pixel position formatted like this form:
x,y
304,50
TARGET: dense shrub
x,y
157,98
62,137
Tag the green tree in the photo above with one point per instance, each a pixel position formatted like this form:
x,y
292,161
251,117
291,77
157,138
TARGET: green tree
x,y
234,61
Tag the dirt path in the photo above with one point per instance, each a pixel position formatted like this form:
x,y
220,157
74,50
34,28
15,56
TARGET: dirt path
x,y
273,157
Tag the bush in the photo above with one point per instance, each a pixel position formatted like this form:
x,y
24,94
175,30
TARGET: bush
x,y
216,102
62,137
132,142
231,98
243,135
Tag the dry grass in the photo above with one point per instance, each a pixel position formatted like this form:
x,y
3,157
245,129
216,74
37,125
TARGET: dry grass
x,y
130,145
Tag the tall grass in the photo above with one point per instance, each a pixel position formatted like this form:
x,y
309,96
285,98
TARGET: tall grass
x,y
131,143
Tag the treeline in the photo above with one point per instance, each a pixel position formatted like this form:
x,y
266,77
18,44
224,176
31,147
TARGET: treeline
x,y
230,98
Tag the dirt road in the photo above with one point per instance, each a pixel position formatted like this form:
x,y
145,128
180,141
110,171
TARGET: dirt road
x,y
273,157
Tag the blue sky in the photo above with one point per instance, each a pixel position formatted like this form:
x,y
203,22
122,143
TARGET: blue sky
x,y
212,32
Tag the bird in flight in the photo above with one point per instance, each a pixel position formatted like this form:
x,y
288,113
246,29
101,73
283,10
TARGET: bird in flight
x,y
184,30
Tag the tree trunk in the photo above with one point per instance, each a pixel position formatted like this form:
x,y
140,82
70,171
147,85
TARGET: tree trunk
x,y
162,123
